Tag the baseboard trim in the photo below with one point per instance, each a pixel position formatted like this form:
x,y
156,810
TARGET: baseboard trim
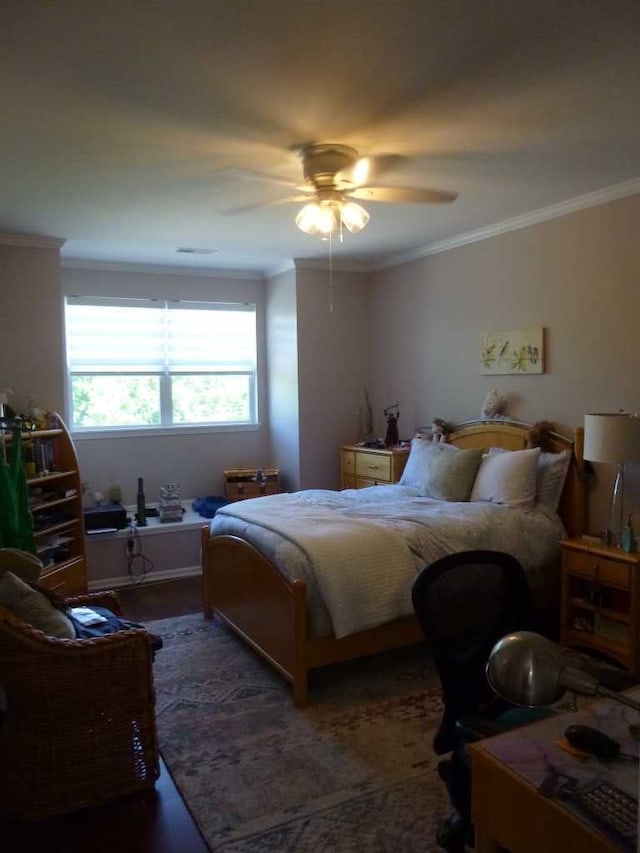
x,y
153,576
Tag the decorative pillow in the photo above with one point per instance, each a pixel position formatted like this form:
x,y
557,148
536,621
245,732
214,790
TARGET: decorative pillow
x,y
450,476
508,478
34,608
422,450
23,564
552,472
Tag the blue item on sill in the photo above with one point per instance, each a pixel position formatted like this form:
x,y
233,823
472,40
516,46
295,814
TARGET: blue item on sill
x,y
207,507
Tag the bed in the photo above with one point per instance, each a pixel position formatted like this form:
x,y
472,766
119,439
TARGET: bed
x,y
255,581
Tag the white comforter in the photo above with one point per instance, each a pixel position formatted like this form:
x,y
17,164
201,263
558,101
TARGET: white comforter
x,y
359,550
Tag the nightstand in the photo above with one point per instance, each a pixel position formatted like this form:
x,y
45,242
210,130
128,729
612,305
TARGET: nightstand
x,y
367,466
599,607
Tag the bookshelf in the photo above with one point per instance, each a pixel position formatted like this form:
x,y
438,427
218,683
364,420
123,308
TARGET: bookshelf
x,y
55,501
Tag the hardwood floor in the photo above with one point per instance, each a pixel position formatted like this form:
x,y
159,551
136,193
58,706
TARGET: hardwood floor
x,y
154,822
148,601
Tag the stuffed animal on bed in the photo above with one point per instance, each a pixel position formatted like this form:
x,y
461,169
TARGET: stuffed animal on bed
x,y
493,406
539,435
439,430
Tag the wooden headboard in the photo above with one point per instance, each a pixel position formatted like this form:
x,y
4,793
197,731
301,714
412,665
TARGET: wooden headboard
x,y
512,435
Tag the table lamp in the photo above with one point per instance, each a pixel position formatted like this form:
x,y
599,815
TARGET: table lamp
x,y
525,668
615,439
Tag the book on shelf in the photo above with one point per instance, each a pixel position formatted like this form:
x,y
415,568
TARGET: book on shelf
x,y
38,457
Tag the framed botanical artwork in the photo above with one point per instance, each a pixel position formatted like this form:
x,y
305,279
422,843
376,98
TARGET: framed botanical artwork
x,y
515,351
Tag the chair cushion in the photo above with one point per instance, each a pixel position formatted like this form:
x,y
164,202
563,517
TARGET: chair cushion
x,y
34,608
23,564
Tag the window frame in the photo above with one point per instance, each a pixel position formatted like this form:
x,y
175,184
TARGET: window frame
x,y
165,375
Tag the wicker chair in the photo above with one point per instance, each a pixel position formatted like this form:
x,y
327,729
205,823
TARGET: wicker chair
x,y
79,727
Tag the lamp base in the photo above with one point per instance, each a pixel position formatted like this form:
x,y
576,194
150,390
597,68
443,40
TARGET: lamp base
x,y
608,537
615,527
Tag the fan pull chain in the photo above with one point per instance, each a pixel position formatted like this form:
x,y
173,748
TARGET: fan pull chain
x,y
330,273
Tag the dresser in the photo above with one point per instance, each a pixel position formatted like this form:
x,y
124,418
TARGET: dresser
x,y
367,466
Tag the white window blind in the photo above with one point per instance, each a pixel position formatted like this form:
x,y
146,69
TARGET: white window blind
x,y
186,362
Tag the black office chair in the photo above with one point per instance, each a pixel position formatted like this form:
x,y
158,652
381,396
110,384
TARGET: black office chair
x,y
465,603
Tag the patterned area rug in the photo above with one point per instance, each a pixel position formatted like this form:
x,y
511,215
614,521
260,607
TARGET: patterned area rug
x,y
352,772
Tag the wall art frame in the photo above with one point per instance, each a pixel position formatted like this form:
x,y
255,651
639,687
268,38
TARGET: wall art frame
x,y
513,351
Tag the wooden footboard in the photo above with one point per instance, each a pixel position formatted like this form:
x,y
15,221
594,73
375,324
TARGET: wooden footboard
x,y
248,593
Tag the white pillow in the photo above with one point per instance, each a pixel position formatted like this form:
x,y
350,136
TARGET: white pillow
x,y
416,471
552,472
508,478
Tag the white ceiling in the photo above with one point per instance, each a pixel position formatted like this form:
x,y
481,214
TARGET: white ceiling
x,y
121,120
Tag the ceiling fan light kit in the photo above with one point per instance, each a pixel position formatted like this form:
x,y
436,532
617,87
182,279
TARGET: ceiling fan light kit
x,y
326,216
333,175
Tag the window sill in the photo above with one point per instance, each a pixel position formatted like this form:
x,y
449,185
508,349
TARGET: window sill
x,y
142,432
190,521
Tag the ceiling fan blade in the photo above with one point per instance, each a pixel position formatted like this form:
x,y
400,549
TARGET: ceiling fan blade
x,y
247,208
365,170
236,172
402,195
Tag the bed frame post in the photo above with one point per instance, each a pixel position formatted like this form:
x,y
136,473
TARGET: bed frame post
x,y
205,533
300,674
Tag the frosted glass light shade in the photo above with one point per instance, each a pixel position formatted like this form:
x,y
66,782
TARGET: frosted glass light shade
x,y
612,438
354,217
326,216
316,218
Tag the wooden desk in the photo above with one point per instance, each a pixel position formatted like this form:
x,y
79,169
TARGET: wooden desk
x,y
508,812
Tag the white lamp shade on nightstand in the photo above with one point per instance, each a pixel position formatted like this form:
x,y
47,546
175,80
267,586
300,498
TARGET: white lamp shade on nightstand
x,y
612,438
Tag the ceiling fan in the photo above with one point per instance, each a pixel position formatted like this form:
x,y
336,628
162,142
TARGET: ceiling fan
x,y
333,175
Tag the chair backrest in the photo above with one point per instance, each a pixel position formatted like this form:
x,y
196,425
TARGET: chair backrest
x,y
465,603
77,723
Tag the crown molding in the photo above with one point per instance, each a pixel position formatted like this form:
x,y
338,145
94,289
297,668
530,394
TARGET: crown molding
x,y
281,269
160,269
534,217
323,264
31,241
603,196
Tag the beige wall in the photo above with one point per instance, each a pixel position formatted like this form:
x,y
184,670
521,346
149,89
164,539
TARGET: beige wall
x,y
282,373
578,276
317,357
333,338
31,326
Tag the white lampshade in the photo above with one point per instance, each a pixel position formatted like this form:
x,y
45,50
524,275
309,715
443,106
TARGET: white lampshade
x,y
613,438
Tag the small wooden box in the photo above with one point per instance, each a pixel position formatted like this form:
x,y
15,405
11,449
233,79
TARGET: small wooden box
x,y
243,483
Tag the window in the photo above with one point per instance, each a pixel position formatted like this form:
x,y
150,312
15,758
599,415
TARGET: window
x,y
151,363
